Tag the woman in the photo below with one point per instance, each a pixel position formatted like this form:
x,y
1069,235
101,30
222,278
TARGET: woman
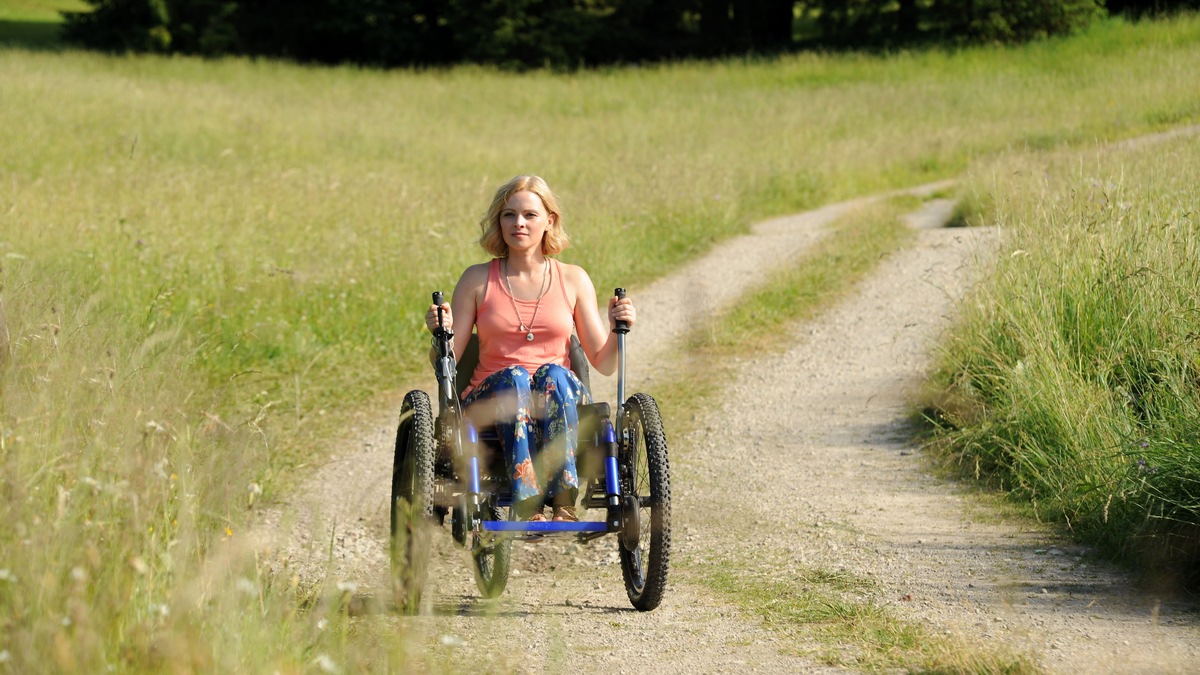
x,y
524,305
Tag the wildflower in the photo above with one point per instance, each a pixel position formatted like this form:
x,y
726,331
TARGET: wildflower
x,y
254,489
326,664
347,587
246,586
323,624
452,641
6,575
4,656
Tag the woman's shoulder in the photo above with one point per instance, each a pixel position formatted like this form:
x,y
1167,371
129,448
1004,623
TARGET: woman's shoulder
x,y
574,274
474,278
477,273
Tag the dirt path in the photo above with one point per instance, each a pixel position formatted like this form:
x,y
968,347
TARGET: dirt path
x,y
825,480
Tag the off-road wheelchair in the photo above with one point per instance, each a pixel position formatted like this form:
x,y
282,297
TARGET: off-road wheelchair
x,y
446,467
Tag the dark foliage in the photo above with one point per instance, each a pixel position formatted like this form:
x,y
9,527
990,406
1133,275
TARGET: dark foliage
x,y
558,33
869,23
1140,8
120,25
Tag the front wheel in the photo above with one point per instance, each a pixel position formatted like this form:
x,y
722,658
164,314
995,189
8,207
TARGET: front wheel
x,y
646,477
412,500
491,561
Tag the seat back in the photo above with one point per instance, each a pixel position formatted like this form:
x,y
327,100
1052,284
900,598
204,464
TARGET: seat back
x,y
465,368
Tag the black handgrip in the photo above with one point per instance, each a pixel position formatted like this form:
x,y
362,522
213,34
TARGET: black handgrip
x,y
621,326
438,299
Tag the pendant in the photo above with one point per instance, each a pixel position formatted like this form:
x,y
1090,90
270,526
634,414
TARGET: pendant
x,y
529,336
523,328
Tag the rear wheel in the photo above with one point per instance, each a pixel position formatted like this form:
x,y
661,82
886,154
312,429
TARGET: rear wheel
x,y
491,562
412,500
646,477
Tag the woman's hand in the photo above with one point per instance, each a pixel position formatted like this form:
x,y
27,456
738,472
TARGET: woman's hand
x,y
621,310
431,317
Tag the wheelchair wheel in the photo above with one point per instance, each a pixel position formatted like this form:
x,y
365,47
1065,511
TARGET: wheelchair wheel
x,y
491,563
645,475
412,500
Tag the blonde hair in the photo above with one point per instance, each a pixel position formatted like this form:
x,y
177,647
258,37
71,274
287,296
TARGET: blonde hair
x,y
492,238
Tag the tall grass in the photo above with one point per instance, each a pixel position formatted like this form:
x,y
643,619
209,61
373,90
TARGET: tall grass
x,y
207,264
1073,380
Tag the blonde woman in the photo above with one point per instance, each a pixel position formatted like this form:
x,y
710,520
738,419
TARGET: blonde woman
x,y
524,304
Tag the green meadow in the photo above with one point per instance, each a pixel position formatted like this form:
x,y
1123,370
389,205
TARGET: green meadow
x,y
206,267
1071,381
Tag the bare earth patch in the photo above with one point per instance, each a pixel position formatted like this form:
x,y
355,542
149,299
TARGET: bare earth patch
x,y
806,466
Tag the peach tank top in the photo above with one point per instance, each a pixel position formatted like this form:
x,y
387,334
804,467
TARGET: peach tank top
x,y
502,343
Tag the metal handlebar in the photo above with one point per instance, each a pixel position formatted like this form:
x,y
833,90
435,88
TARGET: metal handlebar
x,y
445,367
621,329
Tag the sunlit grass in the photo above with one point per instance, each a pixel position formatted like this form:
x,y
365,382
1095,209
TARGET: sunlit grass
x,y
1071,383
34,23
832,616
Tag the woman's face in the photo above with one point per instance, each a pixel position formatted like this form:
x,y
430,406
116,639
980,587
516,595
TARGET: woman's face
x,y
524,220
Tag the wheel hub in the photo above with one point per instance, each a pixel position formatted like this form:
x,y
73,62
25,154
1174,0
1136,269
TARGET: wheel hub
x,y
631,525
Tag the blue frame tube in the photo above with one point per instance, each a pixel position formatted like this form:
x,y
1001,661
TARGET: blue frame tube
x,y
547,527
473,439
612,486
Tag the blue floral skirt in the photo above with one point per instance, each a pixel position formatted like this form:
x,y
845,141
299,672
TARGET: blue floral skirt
x,y
540,408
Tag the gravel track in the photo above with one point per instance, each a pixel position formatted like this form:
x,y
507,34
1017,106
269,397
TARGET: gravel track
x,y
826,478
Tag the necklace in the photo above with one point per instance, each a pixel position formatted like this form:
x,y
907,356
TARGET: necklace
x,y
528,330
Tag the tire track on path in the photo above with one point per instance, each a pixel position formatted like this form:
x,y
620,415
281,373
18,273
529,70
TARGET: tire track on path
x,y
837,485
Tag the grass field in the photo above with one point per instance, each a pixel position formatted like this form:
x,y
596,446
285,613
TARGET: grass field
x,y
1071,383
208,265
34,24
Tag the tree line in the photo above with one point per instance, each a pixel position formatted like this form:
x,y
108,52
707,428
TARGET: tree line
x,y
567,33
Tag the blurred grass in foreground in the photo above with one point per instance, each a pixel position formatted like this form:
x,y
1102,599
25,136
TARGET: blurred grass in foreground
x,y
1072,381
207,266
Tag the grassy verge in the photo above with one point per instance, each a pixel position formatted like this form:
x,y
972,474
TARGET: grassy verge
x,y
207,266
1071,383
835,610
831,616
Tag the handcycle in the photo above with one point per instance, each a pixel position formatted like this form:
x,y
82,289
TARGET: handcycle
x,y
445,466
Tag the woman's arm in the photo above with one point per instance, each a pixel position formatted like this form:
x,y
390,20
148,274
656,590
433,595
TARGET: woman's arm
x,y
595,334
465,301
